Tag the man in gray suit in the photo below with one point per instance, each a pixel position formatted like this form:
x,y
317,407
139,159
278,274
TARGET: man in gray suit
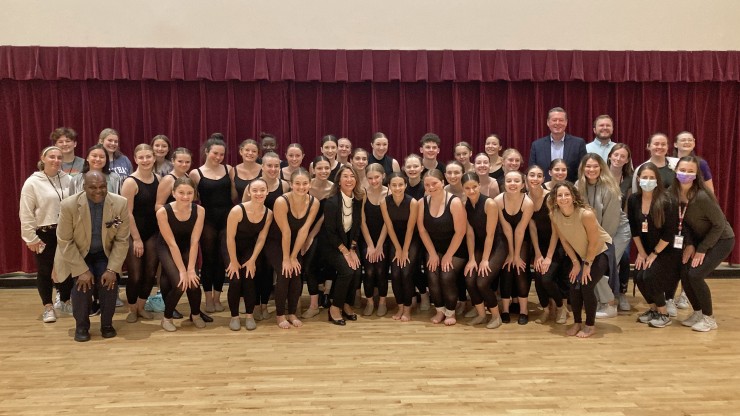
x,y
92,237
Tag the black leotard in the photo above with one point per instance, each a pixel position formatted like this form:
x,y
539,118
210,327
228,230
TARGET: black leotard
x,y
144,214
441,229
215,197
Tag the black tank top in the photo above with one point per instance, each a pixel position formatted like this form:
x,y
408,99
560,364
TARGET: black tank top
x,y
478,219
247,233
182,230
513,220
416,191
241,184
497,174
399,215
541,219
442,229
386,161
272,196
215,197
294,223
144,214
171,198
373,220
333,173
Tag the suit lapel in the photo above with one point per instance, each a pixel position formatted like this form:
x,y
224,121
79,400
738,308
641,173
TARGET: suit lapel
x,y
84,211
107,216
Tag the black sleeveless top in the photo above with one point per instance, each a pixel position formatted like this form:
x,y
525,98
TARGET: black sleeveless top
x,y
333,173
144,214
442,229
542,222
294,223
416,191
171,198
182,230
513,220
399,215
478,219
497,174
241,184
247,233
215,197
386,161
272,196
373,220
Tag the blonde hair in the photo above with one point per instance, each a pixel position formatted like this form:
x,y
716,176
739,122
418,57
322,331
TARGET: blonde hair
x,y
40,164
605,176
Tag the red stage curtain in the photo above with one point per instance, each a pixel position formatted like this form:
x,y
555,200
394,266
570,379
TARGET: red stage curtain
x,y
302,107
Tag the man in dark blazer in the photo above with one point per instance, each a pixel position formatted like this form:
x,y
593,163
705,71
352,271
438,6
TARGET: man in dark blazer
x,y
92,237
558,145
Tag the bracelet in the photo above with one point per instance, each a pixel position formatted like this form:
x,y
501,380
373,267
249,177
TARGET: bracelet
x,y
112,271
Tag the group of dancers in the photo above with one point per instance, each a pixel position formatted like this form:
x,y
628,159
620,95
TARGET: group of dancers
x,y
466,237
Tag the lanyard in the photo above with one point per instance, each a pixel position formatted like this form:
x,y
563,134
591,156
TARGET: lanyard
x,y
55,187
681,213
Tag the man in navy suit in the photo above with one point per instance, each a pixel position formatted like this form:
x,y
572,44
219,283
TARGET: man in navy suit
x,y
558,145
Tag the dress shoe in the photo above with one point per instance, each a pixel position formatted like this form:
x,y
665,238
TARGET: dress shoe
x,y
82,335
340,322
349,317
505,317
205,317
176,314
324,301
523,319
108,331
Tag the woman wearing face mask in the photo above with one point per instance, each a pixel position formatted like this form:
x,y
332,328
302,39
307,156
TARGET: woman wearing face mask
x,y
40,203
548,257
514,226
597,186
587,245
653,217
399,214
379,154
558,172
140,189
486,243
442,226
294,213
119,163
492,148
374,250
314,268
705,237
620,166
488,185
162,154
249,169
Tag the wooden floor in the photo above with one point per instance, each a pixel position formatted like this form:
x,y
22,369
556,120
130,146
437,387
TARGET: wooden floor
x,y
375,365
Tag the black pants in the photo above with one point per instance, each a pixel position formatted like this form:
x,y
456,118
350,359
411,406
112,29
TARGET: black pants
x,y
512,276
402,277
482,289
376,274
44,266
97,263
443,287
287,287
624,269
242,286
693,278
552,281
664,274
582,295
212,273
171,293
346,282
141,270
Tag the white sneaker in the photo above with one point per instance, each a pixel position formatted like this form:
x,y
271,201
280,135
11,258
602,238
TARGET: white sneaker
x,y
660,321
705,325
119,301
670,306
624,304
607,311
693,319
58,301
66,307
683,301
49,316
425,303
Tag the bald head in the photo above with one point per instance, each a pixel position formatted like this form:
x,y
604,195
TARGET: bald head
x,y
95,186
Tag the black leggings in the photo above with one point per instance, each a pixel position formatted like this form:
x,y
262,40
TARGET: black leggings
x,y
692,278
582,295
171,293
401,277
212,267
523,279
241,286
141,270
550,282
376,274
44,266
286,288
482,289
443,285
664,273
311,268
624,269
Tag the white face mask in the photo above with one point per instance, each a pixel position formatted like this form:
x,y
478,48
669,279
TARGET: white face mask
x,y
648,185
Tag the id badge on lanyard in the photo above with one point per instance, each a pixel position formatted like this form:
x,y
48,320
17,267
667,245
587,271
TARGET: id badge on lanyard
x,y
678,240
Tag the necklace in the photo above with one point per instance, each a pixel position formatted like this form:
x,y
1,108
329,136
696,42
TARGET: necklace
x,y
345,204
55,187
